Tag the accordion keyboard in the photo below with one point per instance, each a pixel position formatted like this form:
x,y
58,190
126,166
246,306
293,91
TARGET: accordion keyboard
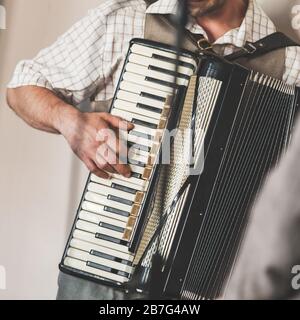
x,y
99,243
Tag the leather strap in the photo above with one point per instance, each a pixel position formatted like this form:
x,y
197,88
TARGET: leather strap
x,y
265,45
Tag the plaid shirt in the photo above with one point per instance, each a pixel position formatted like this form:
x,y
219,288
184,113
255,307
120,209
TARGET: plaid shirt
x,y
87,60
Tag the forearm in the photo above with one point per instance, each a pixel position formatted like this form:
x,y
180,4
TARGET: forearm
x,y
39,107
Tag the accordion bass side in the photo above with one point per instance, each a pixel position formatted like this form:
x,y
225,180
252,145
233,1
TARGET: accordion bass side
x,y
190,214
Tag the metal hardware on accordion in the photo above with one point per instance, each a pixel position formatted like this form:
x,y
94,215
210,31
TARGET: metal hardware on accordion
x,y
242,122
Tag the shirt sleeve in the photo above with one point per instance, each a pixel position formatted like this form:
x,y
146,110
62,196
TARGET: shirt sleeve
x,y
292,66
72,67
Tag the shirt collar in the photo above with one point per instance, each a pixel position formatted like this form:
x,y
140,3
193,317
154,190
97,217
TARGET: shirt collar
x,y
256,24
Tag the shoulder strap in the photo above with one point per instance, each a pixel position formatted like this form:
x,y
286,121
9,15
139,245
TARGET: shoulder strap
x,y
272,42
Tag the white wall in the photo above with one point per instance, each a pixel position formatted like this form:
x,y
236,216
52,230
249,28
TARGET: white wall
x,y
40,180
38,193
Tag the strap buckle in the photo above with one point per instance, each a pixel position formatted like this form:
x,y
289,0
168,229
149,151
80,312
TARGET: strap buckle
x,y
250,48
203,44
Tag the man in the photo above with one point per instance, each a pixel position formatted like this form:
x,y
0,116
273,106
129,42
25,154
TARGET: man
x,y
85,63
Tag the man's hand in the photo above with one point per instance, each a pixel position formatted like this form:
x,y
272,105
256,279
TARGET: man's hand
x,y
92,136
95,140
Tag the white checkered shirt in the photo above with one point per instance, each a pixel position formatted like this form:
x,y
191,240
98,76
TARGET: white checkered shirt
x,y
87,60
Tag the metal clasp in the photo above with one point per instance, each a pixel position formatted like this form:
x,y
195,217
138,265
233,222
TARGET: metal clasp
x,y
203,44
249,48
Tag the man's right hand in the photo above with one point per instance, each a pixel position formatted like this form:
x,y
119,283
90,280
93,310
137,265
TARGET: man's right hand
x,y
86,132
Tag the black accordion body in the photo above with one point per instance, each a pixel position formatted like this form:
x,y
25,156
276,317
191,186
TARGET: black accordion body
x,y
178,226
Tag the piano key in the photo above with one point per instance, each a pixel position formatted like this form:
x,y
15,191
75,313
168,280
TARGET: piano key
x,y
125,258
97,219
147,122
82,265
135,98
137,152
126,183
136,169
104,201
106,191
86,256
147,61
138,89
149,52
141,81
143,184
135,108
131,67
138,158
94,228
104,211
89,237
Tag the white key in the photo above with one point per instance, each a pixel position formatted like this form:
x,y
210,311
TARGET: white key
x,y
132,108
138,89
81,265
85,256
126,182
129,116
136,157
148,52
135,98
86,246
94,228
138,152
102,200
99,209
89,237
146,61
131,67
96,218
141,80
104,190
137,169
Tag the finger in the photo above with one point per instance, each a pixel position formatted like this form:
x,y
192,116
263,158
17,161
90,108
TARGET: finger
x,y
103,164
111,139
117,122
93,168
110,157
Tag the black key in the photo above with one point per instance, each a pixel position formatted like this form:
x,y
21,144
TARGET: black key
x,y
139,146
144,123
109,257
116,211
137,163
152,96
120,200
136,175
141,135
111,239
111,227
169,72
163,83
122,188
149,108
107,269
174,61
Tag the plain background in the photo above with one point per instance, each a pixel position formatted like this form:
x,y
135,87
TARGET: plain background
x,y
41,182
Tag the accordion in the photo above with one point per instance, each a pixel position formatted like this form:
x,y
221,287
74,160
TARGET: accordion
x,y
177,225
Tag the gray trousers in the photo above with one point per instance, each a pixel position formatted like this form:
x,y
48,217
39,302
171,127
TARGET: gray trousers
x,y
73,288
